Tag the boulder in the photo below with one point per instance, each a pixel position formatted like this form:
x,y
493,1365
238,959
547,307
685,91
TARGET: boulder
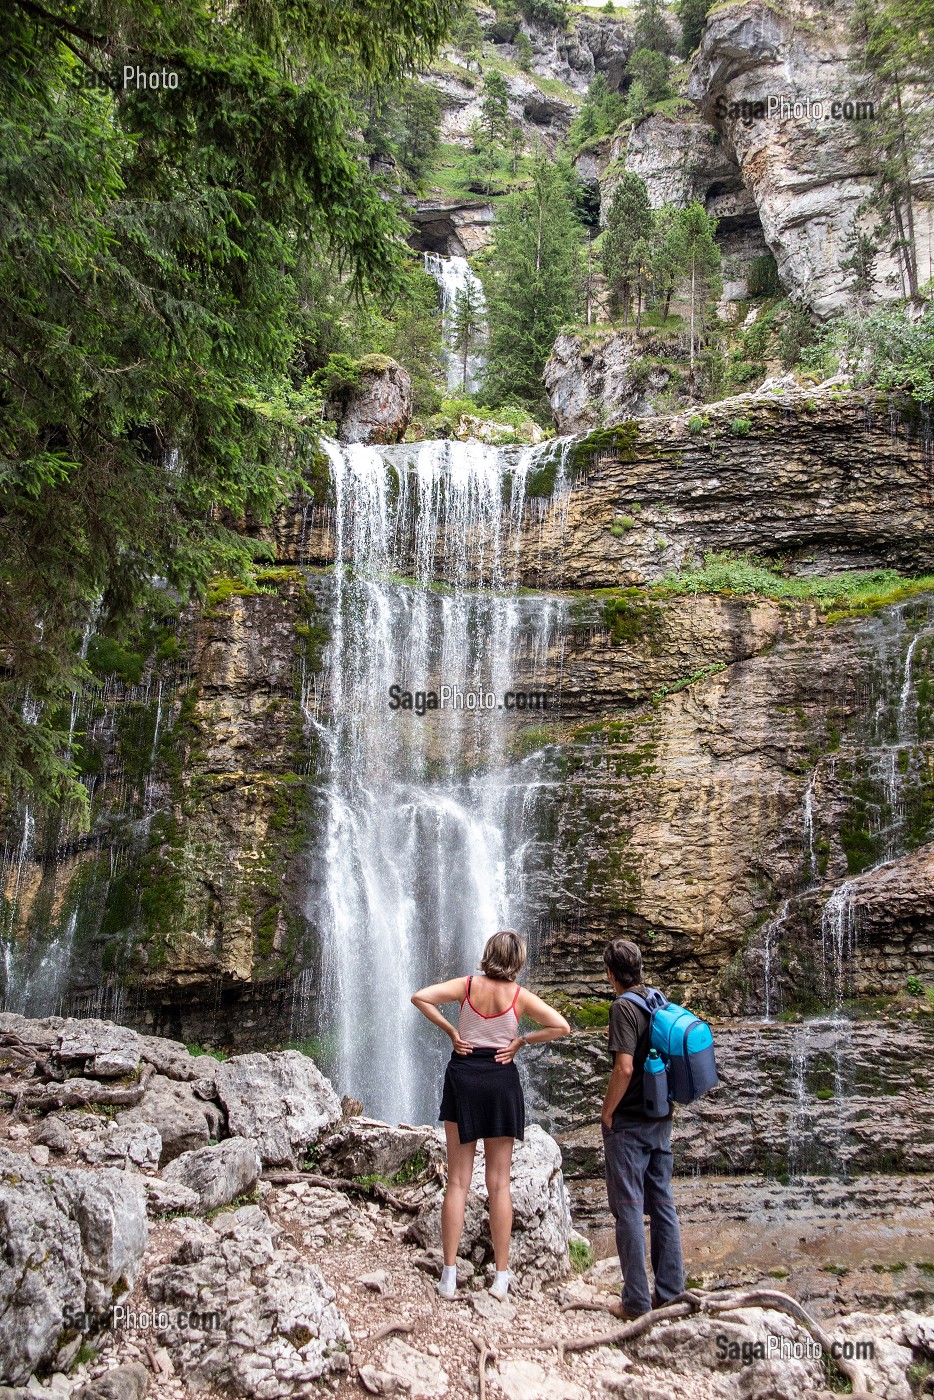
x,y
416,1372
271,1326
282,1101
70,1241
130,1382
97,1048
184,1120
217,1175
53,1134
541,1213
367,1147
379,408
165,1197
119,1144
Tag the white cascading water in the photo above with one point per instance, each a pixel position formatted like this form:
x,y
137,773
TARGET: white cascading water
x,y
426,818
454,275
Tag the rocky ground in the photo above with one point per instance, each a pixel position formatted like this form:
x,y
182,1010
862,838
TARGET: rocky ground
x,y
178,1226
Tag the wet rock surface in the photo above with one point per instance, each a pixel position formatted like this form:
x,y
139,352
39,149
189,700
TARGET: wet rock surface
x,y
827,1095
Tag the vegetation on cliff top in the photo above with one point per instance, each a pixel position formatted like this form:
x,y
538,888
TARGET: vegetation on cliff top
x,y
838,594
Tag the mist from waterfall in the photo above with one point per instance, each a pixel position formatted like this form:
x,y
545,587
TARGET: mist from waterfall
x,y
428,819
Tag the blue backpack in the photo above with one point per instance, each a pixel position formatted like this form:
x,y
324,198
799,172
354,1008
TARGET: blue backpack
x,y
681,1066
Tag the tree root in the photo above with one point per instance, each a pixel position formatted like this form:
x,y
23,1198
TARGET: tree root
x,y
387,1329
486,1354
374,1189
694,1301
93,1095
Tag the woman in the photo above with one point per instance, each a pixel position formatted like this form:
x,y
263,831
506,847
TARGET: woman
x,y
482,1095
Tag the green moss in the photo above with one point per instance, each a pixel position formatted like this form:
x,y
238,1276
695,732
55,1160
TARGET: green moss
x,y
619,442
626,617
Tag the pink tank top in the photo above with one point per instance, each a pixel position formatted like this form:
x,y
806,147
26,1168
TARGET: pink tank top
x,y
497,1031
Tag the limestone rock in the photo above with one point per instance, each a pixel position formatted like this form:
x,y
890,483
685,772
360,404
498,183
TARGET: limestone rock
x,y
218,1174
53,1134
69,1242
97,1048
523,1379
379,409
129,1382
117,1144
418,1373
277,1327
366,1147
807,171
541,1214
180,1117
377,1382
593,380
281,1101
165,1196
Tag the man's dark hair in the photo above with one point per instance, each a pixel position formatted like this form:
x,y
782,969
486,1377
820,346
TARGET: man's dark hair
x,y
624,960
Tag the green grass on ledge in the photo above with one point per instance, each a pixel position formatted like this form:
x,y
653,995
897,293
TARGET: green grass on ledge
x,y
839,595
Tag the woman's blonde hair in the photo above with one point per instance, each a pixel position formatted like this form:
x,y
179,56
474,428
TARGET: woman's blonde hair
x,y
504,956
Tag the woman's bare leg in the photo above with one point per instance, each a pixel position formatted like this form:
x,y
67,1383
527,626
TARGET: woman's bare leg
x,y
460,1170
498,1152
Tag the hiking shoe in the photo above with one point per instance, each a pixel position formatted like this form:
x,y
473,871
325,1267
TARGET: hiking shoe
x,y
617,1310
448,1291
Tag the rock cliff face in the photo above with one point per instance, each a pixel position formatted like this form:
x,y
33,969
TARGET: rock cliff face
x,y
722,766
604,378
806,170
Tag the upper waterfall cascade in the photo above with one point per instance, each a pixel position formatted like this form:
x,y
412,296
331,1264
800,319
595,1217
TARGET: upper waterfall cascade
x,y
454,275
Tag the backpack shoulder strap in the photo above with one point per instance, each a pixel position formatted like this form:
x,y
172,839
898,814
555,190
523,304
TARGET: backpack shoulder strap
x,y
635,998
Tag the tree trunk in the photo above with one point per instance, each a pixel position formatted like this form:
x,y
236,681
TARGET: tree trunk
x,y
693,264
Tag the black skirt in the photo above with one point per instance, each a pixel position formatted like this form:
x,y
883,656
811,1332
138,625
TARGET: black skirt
x,y
482,1097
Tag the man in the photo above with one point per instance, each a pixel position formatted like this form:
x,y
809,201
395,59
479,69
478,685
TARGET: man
x,y
637,1150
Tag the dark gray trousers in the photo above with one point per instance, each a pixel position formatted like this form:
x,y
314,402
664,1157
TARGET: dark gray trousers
x,y
638,1182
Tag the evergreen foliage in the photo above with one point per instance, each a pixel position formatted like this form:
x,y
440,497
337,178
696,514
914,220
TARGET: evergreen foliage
x,y
693,17
467,324
600,114
630,216
651,29
532,282
154,252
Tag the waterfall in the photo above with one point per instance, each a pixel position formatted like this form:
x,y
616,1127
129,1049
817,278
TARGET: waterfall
x,y
454,275
425,815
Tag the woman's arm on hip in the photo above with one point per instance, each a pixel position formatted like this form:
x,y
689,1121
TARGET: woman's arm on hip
x,y
428,999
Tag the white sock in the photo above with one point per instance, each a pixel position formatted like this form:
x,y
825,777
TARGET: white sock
x,y
501,1280
449,1276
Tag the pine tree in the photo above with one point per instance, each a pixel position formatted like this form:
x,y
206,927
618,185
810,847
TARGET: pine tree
x,y
668,256
155,257
467,323
651,29
494,109
702,265
533,282
630,218
693,17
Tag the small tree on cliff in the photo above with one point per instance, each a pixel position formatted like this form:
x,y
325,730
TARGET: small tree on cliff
x,y
534,281
629,220
701,265
467,323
